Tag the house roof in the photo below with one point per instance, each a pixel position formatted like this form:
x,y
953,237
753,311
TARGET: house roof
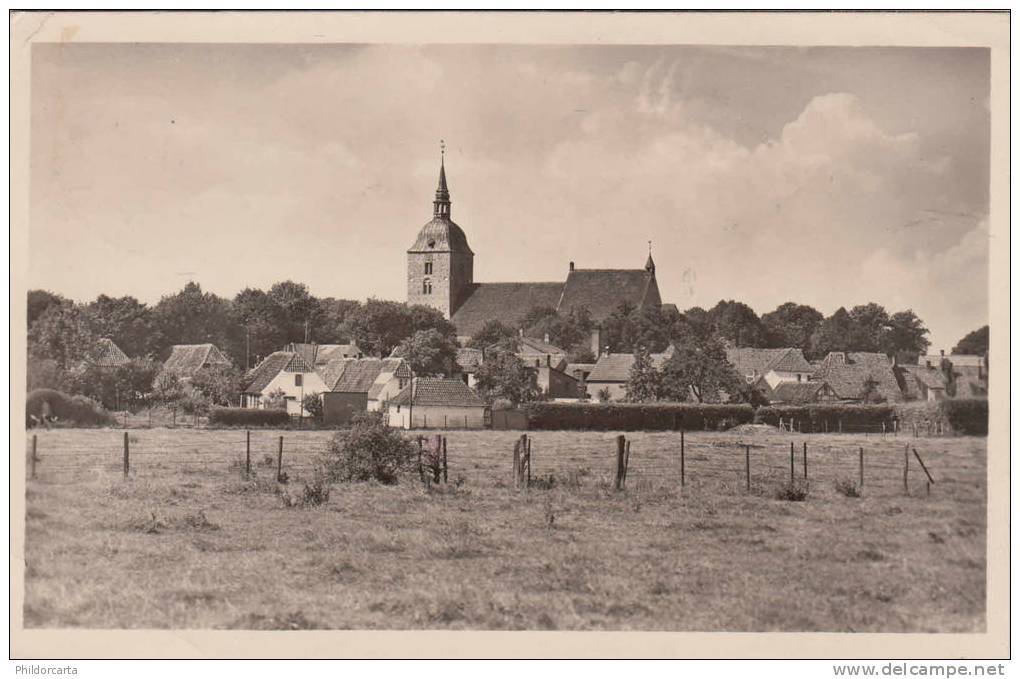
x,y
320,354
582,367
969,387
601,291
259,377
796,392
846,373
391,368
929,377
187,359
753,361
108,354
437,391
469,359
362,375
616,367
507,302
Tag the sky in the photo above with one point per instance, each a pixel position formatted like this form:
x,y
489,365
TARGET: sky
x,y
824,176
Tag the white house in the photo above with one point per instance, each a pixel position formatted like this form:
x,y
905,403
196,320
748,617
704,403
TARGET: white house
x,y
774,365
437,403
286,371
612,371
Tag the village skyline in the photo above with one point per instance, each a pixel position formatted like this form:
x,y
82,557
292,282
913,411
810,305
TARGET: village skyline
x,y
840,181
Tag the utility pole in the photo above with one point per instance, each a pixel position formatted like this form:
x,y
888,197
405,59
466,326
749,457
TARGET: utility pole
x,y
247,348
306,331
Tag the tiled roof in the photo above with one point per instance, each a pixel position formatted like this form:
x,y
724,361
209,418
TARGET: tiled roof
x,y
320,354
929,377
108,354
507,302
751,361
603,290
796,392
616,367
333,370
969,387
441,235
958,360
436,391
846,373
469,359
272,365
582,367
358,375
187,359
391,368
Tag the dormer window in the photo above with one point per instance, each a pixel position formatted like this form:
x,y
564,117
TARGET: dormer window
x,y
428,268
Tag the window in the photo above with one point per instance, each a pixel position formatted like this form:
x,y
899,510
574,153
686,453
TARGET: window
x,y
799,376
428,268
297,379
426,287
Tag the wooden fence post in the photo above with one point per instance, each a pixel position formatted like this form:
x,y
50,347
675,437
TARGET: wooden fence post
x,y
805,459
683,479
621,444
247,453
529,463
861,466
445,471
747,465
421,472
906,469
127,456
518,445
791,463
35,457
840,423
626,463
926,473
279,462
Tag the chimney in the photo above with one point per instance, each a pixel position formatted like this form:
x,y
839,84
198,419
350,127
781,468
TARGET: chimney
x,y
942,353
596,341
571,266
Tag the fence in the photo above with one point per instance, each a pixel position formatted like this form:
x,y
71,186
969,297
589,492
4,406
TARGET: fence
x,y
660,460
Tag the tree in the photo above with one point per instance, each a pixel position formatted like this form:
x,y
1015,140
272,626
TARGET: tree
x,y
428,352
698,368
870,327
41,300
64,334
737,324
644,382
44,373
906,337
296,311
974,343
628,328
167,390
276,399
194,317
791,325
134,381
312,404
378,326
221,385
835,333
125,320
492,332
260,331
331,315
503,375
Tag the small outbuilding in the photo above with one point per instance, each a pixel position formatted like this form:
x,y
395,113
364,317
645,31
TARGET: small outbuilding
x,y
438,403
282,371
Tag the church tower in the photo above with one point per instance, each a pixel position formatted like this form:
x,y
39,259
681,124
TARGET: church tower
x,y
440,265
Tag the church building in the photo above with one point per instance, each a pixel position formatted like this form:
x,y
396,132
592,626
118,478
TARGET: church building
x,y
440,274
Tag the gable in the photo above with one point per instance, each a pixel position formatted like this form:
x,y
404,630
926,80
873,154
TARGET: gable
x,y
601,291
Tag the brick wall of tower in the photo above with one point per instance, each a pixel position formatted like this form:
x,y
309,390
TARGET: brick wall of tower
x,y
451,277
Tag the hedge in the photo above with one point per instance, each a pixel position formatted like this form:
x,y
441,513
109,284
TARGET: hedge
x,y
830,416
77,410
967,416
635,416
249,417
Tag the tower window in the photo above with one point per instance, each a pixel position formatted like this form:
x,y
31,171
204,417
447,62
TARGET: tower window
x,y
426,287
428,268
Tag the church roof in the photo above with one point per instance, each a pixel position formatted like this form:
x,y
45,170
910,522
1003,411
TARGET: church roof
x,y
441,235
603,290
506,301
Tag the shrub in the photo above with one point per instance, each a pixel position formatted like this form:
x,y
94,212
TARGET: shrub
x,y
369,450
847,488
967,416
312,403
76,410
792,492
635,416
830,416
248,417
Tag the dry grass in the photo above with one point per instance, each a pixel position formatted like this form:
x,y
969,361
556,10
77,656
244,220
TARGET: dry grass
x,y
187,543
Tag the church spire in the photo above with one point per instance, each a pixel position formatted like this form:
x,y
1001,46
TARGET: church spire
x,y
441,205
650,265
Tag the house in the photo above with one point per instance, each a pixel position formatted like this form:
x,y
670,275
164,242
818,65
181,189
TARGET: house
x,y
437,402
466,364
187,359
320,354
612,371
440,274
967,365
774,365
356,385
536,353
285,371
850,373
921,383
554,382
107,355
798,393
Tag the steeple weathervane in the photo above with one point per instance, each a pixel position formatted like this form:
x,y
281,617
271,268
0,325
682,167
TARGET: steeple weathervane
x,y
441,205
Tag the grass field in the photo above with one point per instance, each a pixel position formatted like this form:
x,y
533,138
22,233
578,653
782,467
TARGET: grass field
x,y
185,542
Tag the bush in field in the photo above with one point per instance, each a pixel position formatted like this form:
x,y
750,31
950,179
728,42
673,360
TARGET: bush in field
x,y
77,410
369,450
792,492
967,415
847,488
635,416
248,417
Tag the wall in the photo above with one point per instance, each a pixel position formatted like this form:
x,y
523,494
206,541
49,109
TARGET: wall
x,y
438,417
774,377
391,389
339,407
556,383
452,274
617,390
312,384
